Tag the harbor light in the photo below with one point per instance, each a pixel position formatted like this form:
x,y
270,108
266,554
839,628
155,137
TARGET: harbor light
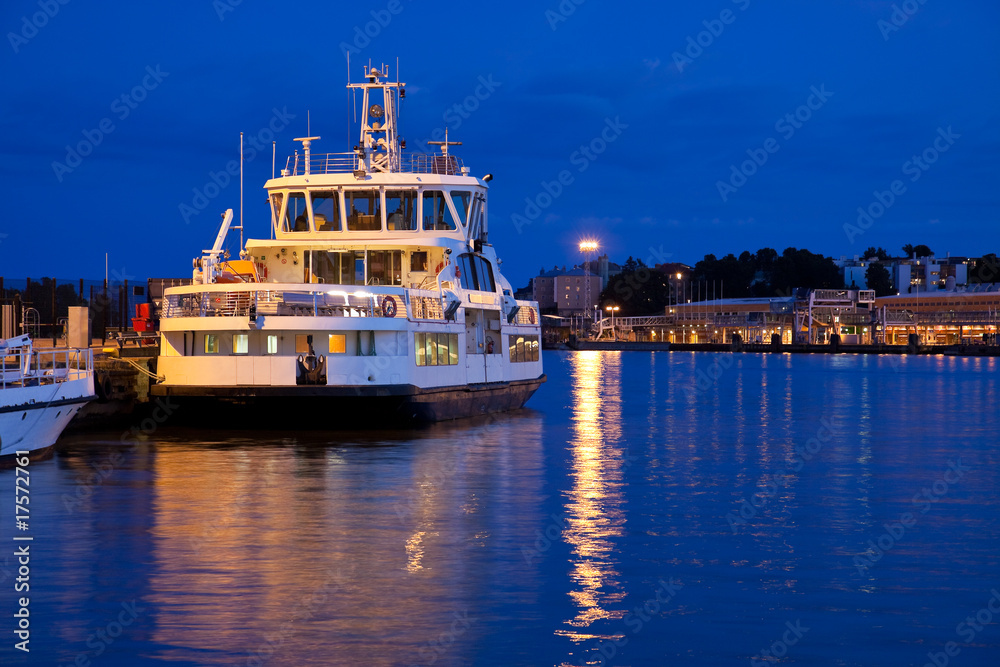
x,y
588,246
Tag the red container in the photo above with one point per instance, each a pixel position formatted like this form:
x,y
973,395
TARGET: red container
x,y
142,324
142,311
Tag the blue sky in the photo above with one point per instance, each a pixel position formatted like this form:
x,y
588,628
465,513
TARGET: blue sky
x,y
643,110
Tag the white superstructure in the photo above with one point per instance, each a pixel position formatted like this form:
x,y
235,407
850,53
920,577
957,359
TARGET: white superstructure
x,y
378,293
40,392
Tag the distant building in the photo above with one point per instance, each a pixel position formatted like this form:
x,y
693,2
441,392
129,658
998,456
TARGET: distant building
x,y
909,276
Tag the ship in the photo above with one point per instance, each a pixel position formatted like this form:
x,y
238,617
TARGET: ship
x,y
40,392
377,299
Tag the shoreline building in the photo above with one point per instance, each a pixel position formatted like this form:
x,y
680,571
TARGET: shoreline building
x,y
909,275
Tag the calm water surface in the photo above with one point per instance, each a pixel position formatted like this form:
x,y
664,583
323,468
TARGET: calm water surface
x,y
648,509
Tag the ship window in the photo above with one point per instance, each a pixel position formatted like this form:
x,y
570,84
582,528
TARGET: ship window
x,y
436,349
418,260
241,343
296,216
338,343
333,268
211,344
401,210
437,213
363,211
523,348
303,343
462,199
476,273
272,344
326,211
385,267
276,199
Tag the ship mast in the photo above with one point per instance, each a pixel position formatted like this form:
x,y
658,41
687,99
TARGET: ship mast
x,y
379,149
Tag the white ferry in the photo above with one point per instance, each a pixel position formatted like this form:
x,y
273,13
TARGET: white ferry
x,y
378,293
40,392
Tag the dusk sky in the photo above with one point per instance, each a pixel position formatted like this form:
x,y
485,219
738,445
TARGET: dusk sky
x,y
820,107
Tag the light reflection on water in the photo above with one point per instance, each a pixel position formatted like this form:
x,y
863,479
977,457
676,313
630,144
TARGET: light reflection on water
x,y
532,538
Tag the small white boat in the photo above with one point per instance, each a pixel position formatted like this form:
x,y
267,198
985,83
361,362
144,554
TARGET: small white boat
x,y
40,392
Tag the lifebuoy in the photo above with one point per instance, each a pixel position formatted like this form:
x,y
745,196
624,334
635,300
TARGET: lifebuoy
x,y
439,267
389,306
489,345
531,315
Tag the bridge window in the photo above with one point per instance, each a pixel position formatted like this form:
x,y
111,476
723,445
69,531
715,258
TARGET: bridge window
x,y
276,200
363,210
401,210
211,344
296,218
241,343
437,213
326,211
462,199
476,273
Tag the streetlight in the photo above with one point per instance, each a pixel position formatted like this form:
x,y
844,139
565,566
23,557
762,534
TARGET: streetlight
x,y
587,247
612,310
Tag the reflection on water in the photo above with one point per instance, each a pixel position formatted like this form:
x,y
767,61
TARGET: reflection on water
x,y
257,550
532,538
594,502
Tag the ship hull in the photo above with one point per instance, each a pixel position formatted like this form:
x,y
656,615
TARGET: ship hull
x,y
333,407
33,418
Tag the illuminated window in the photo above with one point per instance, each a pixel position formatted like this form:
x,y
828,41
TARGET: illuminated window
x,y
211,344
241,343
302,343
272,344
338,343
522,348
436,349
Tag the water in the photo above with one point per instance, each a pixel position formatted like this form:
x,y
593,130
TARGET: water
x,y
604,525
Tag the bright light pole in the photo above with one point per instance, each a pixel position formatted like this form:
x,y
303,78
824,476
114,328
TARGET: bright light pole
x,y
612,310
587,247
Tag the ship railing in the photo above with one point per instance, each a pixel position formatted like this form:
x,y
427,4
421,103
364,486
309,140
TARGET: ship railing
x,y
254,299
346,163
25,367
